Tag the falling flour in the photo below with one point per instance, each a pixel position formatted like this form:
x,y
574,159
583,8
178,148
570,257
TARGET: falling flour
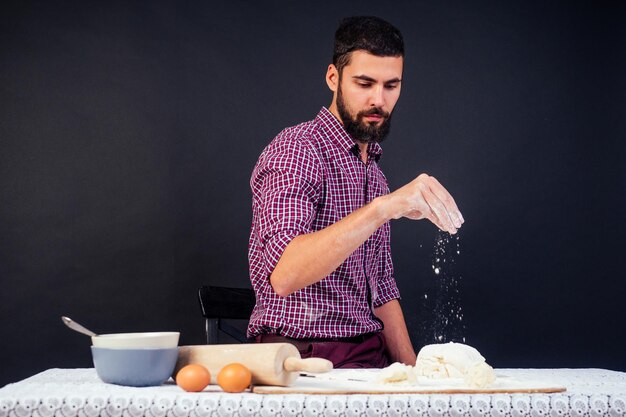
x,y
447,322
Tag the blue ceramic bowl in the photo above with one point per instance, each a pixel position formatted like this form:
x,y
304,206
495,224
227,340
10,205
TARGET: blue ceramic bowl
x,y
134,367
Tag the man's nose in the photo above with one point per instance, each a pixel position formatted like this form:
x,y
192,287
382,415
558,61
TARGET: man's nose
x,y
377,98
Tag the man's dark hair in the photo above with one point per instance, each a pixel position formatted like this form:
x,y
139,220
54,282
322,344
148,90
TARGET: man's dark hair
x,y
367,33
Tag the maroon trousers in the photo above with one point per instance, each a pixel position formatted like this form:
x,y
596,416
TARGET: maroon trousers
x,y
363,352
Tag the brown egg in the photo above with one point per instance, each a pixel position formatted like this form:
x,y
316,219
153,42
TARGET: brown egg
x,y
234,377
193,378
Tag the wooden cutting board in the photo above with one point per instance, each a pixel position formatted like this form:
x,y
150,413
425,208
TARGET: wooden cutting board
x,y
336,383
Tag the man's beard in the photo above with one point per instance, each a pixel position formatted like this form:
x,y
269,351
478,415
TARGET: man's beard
x,y
360,130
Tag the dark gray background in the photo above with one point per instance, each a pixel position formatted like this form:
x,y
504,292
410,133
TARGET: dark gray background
x,y
129,132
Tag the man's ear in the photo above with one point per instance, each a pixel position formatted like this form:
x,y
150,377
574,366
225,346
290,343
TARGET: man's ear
x,y
332,78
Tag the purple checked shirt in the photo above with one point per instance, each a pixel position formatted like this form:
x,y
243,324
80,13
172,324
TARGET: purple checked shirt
x,y
309,177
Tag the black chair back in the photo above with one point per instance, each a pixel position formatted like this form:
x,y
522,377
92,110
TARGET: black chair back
x,y
219,303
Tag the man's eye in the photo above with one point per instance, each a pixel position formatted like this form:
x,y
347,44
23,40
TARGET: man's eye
x,y
365,85
391,86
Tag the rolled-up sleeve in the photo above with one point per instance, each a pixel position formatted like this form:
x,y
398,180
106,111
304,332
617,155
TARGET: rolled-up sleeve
x,y
387,289
286,187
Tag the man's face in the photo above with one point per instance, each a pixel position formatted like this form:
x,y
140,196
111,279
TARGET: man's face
x,y
368,90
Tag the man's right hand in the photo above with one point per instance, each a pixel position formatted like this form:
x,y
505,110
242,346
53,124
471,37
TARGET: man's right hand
x,y
425,198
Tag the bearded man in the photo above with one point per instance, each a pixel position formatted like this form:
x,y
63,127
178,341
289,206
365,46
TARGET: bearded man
x,y
319,252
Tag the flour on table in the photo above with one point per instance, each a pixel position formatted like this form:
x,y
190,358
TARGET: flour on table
x,y
445,364
396,372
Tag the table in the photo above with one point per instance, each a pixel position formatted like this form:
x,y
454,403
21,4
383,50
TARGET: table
x,y
79,392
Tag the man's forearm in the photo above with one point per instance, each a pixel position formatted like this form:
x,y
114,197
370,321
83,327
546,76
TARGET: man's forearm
x,y
309,258
398,341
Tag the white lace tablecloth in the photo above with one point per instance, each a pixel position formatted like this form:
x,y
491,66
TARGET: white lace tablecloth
x,y
79,392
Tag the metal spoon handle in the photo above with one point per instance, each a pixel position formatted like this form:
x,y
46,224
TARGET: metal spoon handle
x,y
76,327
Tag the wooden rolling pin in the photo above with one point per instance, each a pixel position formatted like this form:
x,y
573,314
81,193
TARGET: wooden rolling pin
x,y
270,363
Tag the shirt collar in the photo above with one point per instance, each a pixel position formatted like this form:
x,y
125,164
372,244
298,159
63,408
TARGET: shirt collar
x,y
342,139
